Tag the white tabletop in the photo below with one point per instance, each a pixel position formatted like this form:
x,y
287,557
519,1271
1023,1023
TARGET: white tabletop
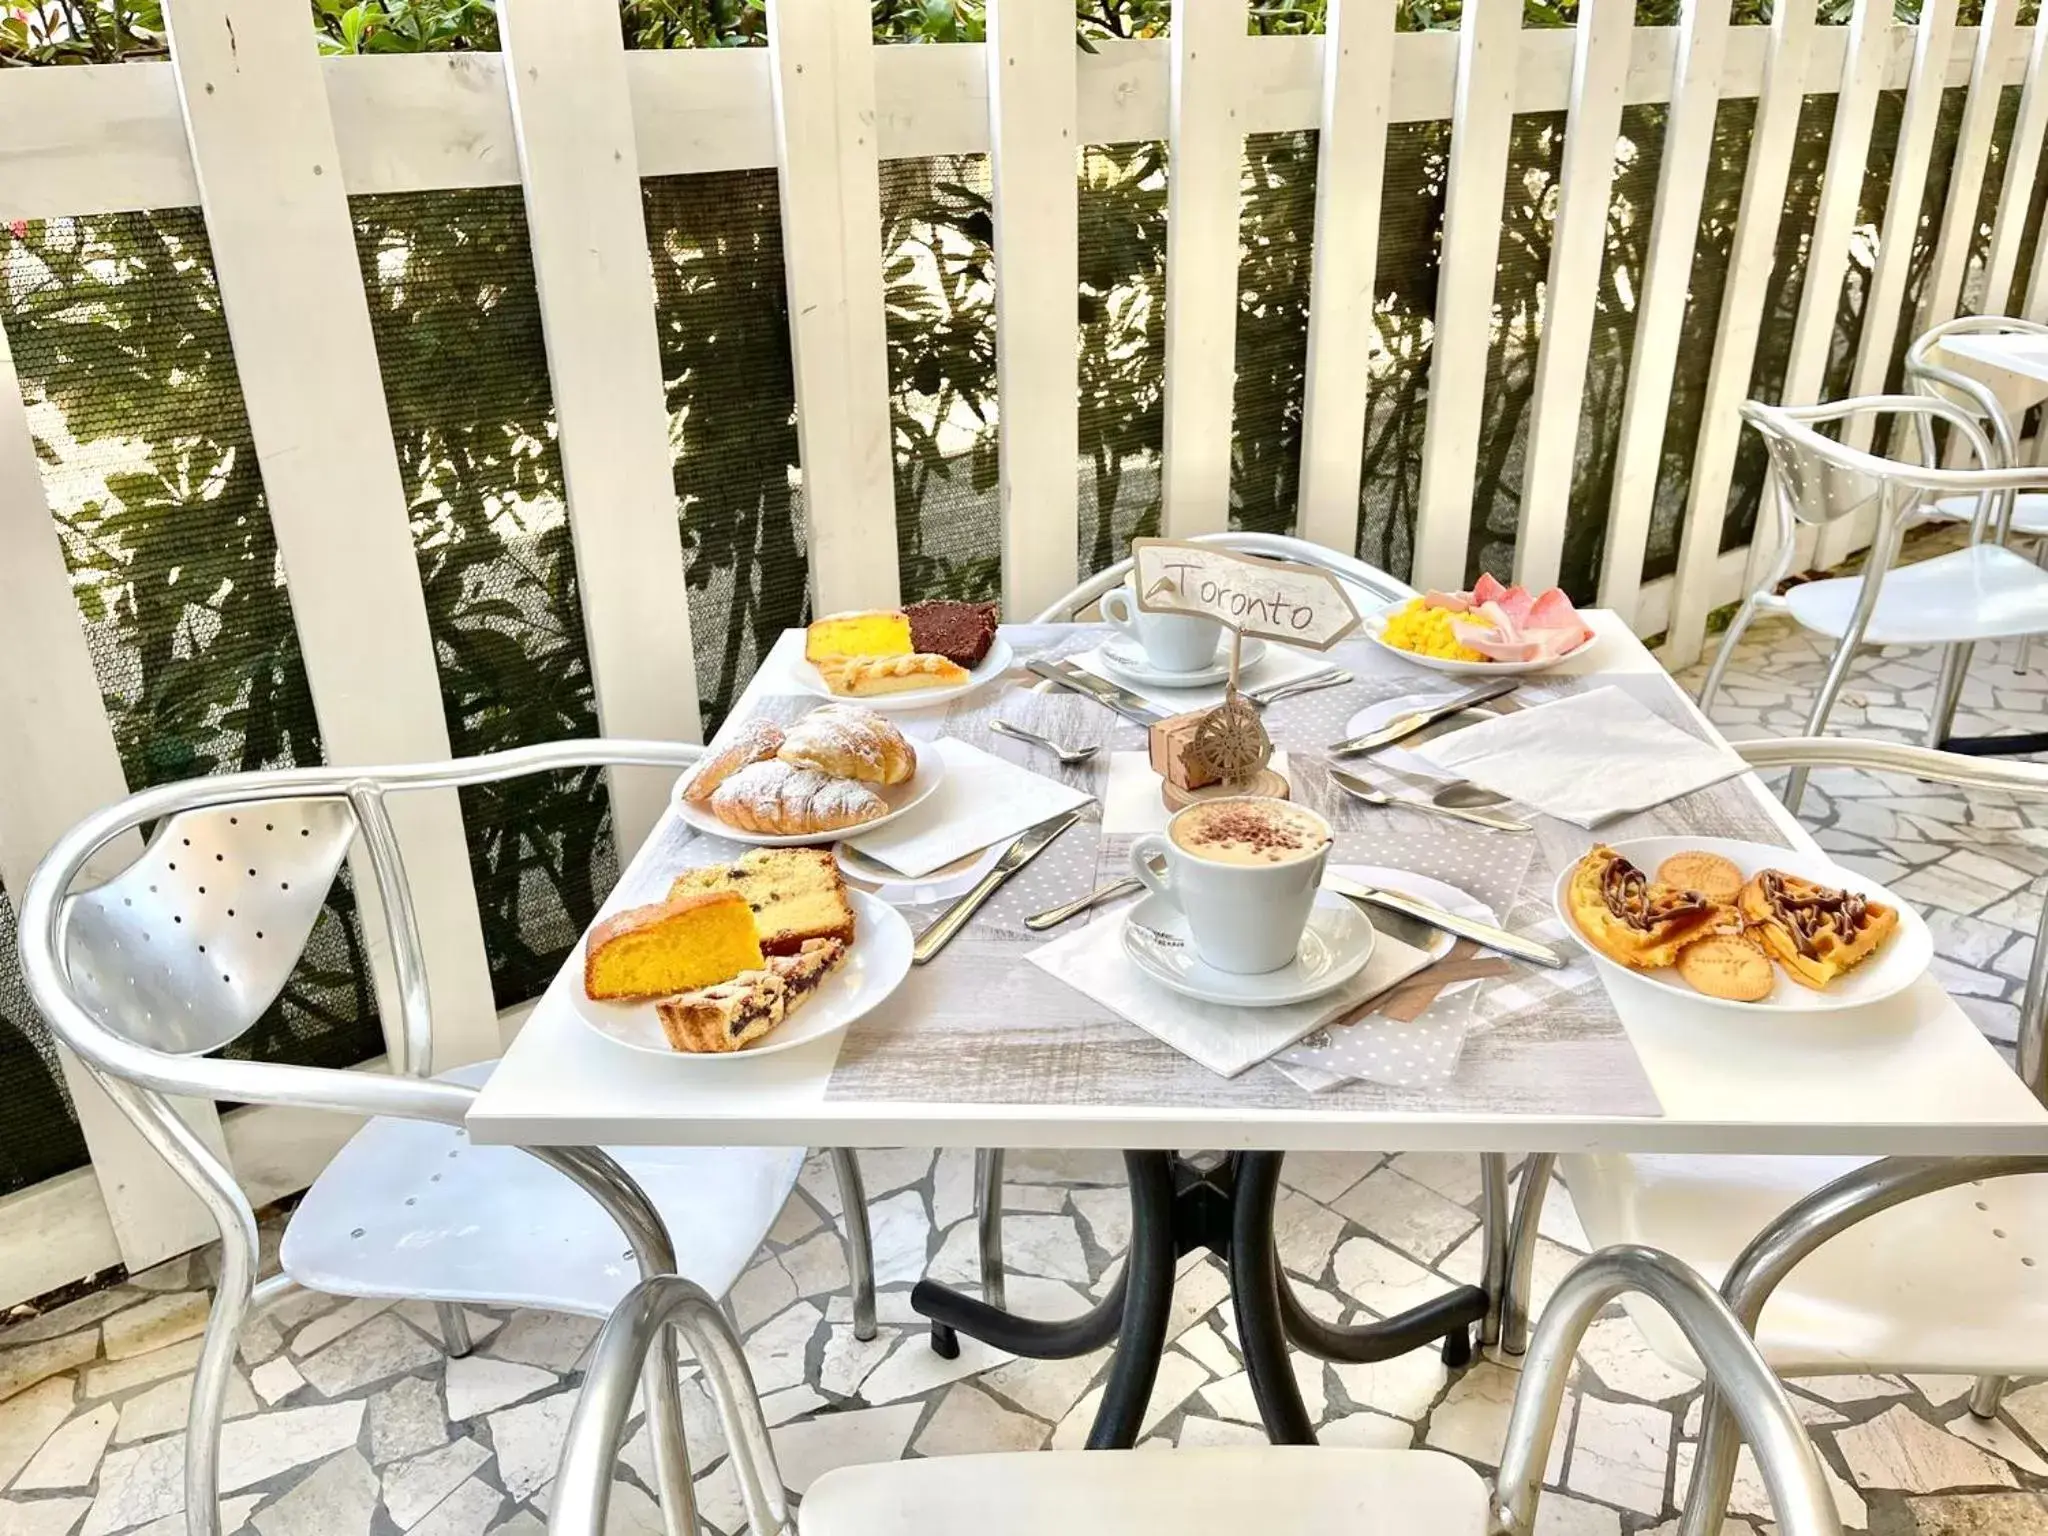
x,y
1911,1076
2014,365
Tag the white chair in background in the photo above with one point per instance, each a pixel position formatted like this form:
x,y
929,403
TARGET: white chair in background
x,y
183,950
1982,591
1272,1490
1839,1265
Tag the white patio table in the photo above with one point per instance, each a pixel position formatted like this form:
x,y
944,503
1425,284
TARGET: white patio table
x,y
2015,366
982,1048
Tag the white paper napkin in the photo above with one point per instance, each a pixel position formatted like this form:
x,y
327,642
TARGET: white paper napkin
x,y
982,800
1584,759
1280,664
1226,1040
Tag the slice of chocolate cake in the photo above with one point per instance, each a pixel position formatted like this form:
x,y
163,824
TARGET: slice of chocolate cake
x,y
960,632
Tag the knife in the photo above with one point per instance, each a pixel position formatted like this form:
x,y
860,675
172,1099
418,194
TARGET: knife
x,y
1029,844
1066,675
1403,726
1483,934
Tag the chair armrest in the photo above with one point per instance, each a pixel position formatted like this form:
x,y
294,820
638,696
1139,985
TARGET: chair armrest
x,y
1791,1471
2013,774
583,1481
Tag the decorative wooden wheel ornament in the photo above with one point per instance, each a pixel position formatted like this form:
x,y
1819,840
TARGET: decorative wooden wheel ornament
x,y
1232,740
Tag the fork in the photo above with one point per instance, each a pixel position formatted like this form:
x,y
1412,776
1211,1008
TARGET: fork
x,y
1273,693
1358,789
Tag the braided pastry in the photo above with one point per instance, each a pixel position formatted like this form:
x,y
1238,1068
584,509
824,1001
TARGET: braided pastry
x,y
789,801
862,676
849,742
750,744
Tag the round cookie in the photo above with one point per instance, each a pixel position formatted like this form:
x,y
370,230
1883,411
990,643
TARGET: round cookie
x,y
1727,966
1708,873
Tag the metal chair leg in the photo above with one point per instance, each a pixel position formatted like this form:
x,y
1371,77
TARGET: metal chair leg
x,y
1985,1395
1494,1240
1514,1308
988,1220
454,1328
1719,669
1948,693
860,1249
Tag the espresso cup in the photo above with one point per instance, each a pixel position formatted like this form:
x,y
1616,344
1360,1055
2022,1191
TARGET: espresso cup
x,y
1244,872
1173,642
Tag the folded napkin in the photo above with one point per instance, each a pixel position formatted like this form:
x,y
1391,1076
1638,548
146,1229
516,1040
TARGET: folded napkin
x,y
1585,759
1280,664
1226,1040
982,800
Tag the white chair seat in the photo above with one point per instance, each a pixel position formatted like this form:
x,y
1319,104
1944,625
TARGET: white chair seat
x,y
1271,1490
1983,592
1940,1284
2029,513
409,1208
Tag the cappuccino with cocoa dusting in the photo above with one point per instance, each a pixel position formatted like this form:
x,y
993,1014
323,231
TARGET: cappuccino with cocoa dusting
x,y
1249,831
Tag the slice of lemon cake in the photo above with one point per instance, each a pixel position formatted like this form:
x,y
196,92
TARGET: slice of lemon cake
x,y
689,941
877,632
795,894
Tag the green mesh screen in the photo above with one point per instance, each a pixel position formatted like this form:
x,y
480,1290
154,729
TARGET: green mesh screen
x,y
1276,235
938,275
1527,229
117,330
1926,229
722,311
1639,158
1727,163
1988,198
1864,241
42,1137
1122,313
1404,307
457,325
1781,307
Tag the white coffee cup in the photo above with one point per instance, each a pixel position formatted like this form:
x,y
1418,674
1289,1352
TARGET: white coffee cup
x,y
1173,642
1244,917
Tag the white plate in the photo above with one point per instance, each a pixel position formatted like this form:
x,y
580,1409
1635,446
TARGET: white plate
x,y
1376,624
1334,948
1124,660
872,969
900,890
993,665
1901,961
931,772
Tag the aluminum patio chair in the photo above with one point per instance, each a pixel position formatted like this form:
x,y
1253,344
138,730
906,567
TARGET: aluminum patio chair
x,y
183,950
1369,587
1274,1490
1982,591
1839,1265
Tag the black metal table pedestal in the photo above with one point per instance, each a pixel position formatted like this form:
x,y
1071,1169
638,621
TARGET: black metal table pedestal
x,y
1178,1206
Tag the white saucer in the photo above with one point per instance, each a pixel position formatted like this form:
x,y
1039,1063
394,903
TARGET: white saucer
x,y
1123,659
808,678
931,772
872,969
1334,948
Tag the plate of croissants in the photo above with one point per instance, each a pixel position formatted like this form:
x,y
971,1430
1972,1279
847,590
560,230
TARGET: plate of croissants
x,y
839,771
1745,924
741,960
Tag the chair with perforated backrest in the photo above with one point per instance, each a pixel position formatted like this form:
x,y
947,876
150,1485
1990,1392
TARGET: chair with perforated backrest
x,y
1274,1490
1839,1265
1982,591
184,949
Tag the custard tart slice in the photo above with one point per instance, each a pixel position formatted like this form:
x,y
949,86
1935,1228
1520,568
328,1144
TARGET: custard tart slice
x,y
1817,932
1636,921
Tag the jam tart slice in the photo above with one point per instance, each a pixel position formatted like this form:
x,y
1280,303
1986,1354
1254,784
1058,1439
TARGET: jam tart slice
x,y
1817,932
1636,921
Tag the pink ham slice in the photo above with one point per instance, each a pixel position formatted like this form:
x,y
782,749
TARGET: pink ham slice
x,y
1512,626
1486,590
1455,602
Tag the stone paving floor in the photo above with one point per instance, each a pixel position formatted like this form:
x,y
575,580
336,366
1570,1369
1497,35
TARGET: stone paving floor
x,y
348,1419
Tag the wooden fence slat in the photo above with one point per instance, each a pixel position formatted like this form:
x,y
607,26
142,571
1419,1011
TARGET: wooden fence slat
x,y
1742,310
1203,176
1884,294
1660,302
830,179
1482,121
1944,285
285,258
1035,146
1571,290
1351,153
2022,161
566,75
58,761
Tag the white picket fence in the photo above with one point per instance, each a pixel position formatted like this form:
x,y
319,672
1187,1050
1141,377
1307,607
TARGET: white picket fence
x,y
270,141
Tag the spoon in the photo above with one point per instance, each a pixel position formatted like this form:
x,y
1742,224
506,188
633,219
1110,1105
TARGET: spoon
x,y
1358,789
1068,756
